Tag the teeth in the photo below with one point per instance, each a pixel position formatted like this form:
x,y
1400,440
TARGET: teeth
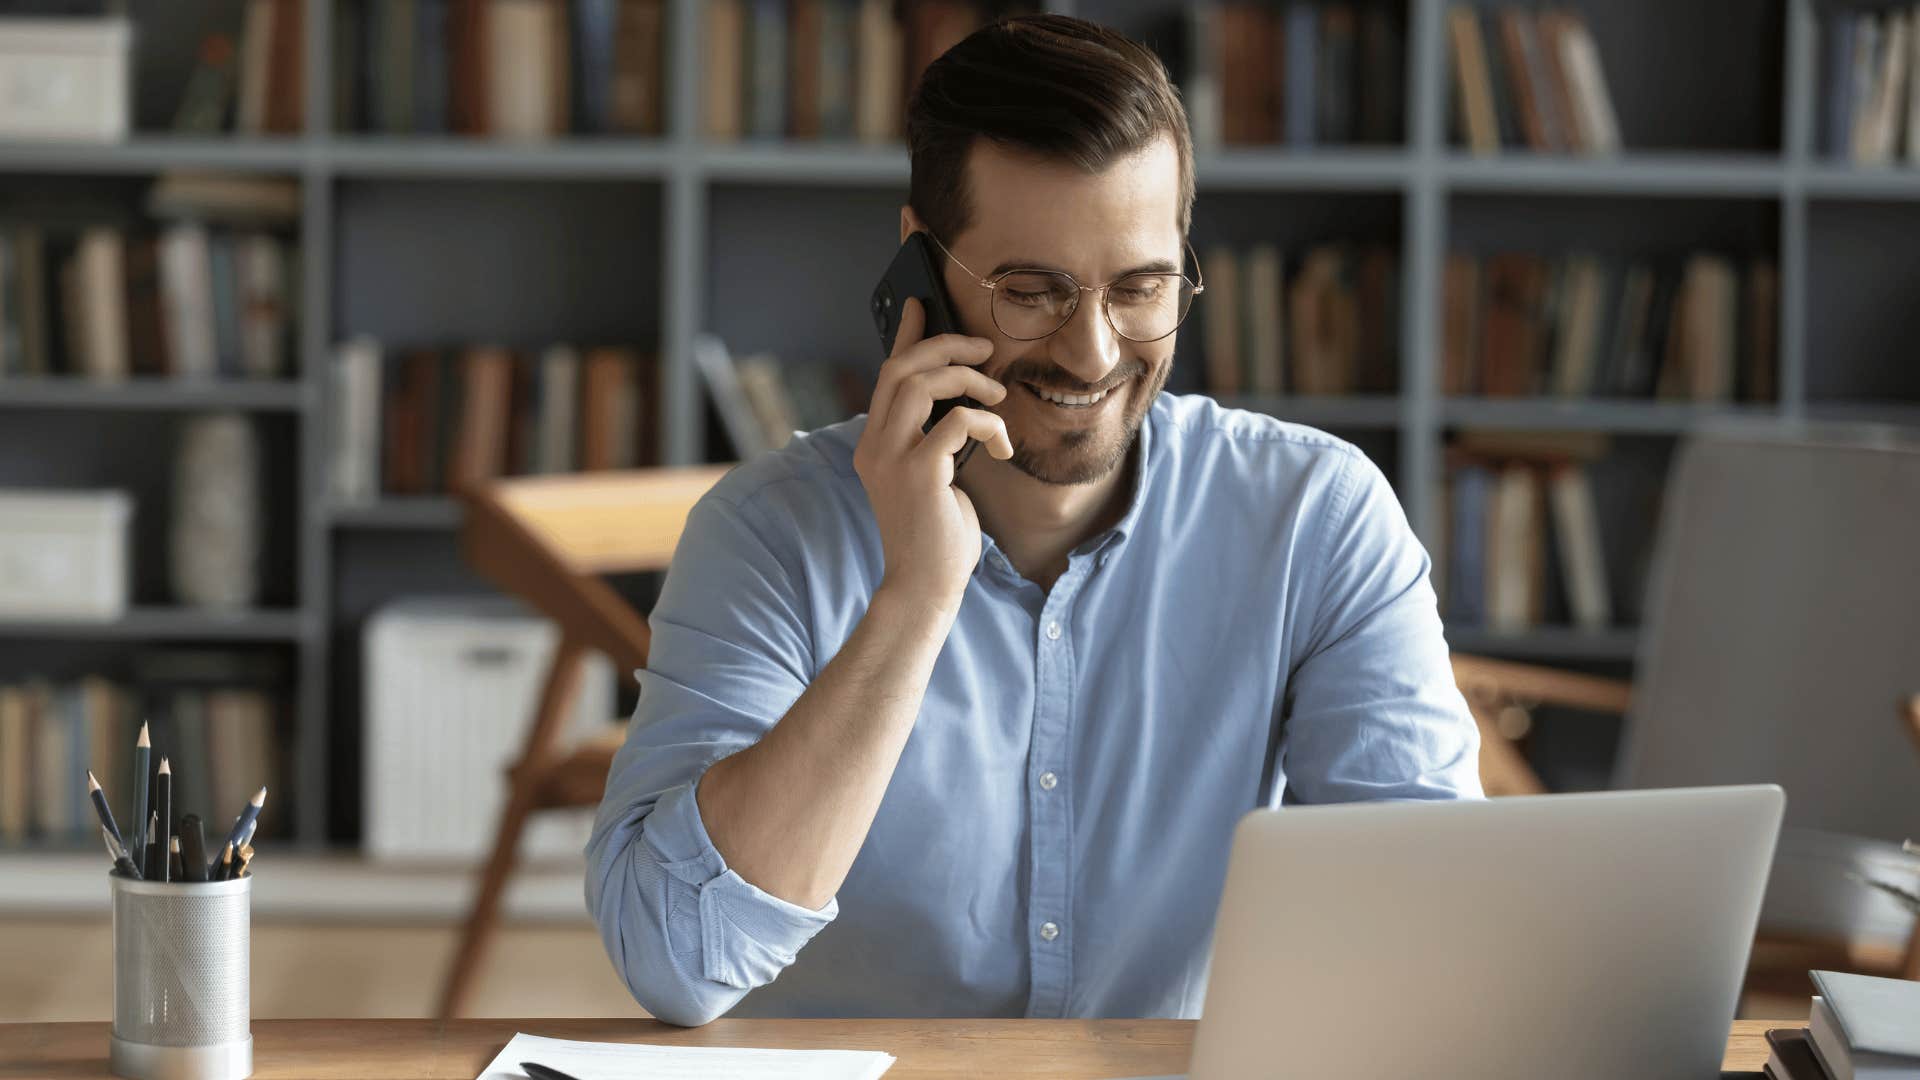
x,y
1071,399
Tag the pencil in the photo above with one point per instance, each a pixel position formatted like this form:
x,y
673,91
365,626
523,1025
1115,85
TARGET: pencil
x,y
151,856
174,869
193,850
163,799
239,833
141,753
243,860
101,808
119,856
224,870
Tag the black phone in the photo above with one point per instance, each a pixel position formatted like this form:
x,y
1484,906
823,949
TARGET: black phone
x,y
915,272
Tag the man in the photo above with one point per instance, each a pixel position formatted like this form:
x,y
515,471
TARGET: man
x,y
919,742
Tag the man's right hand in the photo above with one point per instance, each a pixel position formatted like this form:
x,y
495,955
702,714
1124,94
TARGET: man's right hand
x,y
928,528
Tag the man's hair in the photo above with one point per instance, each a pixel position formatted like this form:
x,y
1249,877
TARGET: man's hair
x,y
1050,85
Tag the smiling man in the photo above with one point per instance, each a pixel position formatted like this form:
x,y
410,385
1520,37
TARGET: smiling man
x,y
914,742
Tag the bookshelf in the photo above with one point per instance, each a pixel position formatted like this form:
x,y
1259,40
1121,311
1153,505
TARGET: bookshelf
x,y
772,244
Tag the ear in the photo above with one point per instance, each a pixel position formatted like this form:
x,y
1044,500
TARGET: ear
x,y
910,223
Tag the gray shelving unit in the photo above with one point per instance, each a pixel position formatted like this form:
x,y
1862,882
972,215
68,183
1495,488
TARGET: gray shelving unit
x,y
692,215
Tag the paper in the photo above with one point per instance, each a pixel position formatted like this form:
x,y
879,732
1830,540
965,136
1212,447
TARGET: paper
x,y
621,1061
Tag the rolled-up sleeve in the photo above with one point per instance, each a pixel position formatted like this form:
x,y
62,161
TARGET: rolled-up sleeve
x,y
730,655
1372,708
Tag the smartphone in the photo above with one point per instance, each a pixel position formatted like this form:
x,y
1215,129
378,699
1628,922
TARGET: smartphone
x,y
915,272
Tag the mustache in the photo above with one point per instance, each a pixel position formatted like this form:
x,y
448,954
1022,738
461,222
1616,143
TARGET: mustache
x,y
1048,377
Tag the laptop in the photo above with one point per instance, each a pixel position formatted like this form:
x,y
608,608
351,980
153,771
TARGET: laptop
x,y
1566,936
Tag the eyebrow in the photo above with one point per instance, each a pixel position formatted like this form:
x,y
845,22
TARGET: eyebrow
x,y
1156,266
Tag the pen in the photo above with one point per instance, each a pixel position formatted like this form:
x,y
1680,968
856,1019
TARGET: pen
x,y
151,863
163,799
101,808
175,872
224,870
537,1071
119,857
239,833
193,849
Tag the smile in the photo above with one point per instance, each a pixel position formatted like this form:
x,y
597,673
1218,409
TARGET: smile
x,y
1069,401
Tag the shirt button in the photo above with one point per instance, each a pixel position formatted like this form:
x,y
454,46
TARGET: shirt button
x,y
1048,931
1053,631
1047,780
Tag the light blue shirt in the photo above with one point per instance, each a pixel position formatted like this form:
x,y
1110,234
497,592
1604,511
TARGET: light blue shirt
x,y
1258,629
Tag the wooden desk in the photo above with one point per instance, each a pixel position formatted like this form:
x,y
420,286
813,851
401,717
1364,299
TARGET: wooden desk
x,y
459,1049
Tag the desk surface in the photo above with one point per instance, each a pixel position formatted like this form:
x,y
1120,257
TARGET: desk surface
x,y
458,1050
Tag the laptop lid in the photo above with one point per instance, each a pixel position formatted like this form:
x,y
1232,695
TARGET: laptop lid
x,y
1593,935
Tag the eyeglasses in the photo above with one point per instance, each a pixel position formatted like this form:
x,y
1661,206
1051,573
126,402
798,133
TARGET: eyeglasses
x,y
1031,304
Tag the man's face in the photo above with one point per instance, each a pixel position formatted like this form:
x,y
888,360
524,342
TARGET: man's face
x,y
1033,214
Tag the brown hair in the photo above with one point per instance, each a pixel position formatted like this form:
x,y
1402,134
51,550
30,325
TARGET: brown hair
x,y
1055,86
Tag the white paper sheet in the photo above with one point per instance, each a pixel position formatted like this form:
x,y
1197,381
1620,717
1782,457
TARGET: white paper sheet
x,y
620,1061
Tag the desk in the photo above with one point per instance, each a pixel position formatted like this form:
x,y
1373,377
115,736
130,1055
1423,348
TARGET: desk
x,y
459,1049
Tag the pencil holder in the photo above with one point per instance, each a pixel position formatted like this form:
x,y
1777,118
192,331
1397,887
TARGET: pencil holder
x,y
180,979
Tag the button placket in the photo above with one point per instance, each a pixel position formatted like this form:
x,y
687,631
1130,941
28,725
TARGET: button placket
x,y
1049,901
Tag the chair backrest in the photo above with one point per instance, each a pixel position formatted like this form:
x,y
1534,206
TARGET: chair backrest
x,y
1782,641
548,539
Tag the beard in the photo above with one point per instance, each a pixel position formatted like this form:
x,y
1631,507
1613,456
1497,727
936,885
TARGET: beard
x,y
1083,455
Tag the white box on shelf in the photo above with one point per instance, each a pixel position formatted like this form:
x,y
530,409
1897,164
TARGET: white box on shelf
x,y
65,78
63,554
450,685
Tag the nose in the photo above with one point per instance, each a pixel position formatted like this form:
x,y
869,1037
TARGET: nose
x,y
1087,346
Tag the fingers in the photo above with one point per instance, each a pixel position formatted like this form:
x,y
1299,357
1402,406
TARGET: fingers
x,y
916,356
913,323
914,397
952,433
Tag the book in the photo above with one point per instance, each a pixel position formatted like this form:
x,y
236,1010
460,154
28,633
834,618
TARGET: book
x,y
1593,102
99,300
559,398
480,446
879,78
766,69
837,69
1790,1056
1301,80
594,26
1862,1026
225,197
286,69
1265,338
1337,74
208,98
469,49
1515,559
1576,527
522,53
1460,325
262,281
634,94
1472,493
186,292
737,414
432,105
1222,321
1323,324
256,44
355,449
723,69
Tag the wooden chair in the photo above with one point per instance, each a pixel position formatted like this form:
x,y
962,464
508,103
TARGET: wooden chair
x,y
547,540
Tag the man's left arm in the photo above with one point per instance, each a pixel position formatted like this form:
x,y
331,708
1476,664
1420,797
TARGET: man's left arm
x,y
1372,711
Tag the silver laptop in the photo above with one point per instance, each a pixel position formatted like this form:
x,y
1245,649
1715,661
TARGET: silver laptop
x,y
1565,936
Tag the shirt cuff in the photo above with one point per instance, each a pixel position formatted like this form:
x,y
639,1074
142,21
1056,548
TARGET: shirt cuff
x,y
747,936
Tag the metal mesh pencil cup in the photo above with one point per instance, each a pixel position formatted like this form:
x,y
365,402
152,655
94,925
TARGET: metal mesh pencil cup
x,y
180,979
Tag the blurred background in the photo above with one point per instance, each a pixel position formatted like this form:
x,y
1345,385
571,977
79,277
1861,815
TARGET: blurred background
x,y
279,279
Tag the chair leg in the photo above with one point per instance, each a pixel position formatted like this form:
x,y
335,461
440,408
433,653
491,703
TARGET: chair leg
x,y
556,700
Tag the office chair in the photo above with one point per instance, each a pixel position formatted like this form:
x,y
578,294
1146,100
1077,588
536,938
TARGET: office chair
x,y
547,540
1782,644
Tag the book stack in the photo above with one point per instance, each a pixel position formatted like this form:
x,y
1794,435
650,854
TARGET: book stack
x,y
499,68
429,421
209,293
1872,100
1529,79
1298,74
1704,329
218,711
249,76
821,69
1861,1028
1521,538
1327,324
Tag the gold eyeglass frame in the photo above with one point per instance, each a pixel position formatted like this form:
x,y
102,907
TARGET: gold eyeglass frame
x,y
993,283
